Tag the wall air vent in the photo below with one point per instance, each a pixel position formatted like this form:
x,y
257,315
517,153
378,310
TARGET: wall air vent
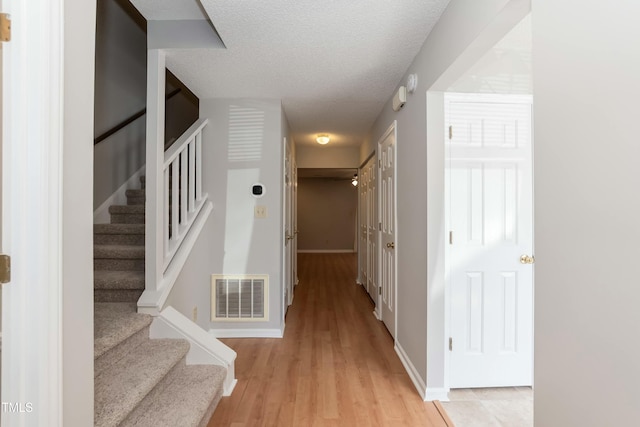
x,y
236,298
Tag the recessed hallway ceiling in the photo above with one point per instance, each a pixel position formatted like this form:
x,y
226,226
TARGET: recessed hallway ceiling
x,y
333,63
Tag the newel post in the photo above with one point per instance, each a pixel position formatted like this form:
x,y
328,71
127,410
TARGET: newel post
x,y
154,245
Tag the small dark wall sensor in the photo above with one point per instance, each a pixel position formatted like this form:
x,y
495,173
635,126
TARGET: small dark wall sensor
x,y
257,190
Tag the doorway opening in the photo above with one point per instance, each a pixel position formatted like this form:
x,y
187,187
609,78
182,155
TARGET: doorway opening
x,y
488,224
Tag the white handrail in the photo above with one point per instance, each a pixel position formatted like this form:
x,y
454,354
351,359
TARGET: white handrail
x,y
183,197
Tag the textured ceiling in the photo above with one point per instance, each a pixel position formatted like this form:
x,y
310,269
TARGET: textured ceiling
x,y
334,63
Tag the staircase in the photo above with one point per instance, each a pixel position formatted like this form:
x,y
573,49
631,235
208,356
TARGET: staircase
x,y
140,381
119,251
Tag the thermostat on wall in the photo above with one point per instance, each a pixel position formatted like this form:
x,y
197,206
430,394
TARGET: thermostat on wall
x,y
257,190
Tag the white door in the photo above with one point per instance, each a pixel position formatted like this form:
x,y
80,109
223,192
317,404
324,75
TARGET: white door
x,y
362,224
387,217
372,230
491,227
288,226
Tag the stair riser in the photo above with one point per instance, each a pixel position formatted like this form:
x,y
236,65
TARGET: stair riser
x,y
118,264
112,356
127,218
135,201
116,295
119,239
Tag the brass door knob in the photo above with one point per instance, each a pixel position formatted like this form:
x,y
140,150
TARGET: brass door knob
x,y
391,245
526,259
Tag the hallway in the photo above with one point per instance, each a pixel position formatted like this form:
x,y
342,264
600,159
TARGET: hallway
x,y
335,365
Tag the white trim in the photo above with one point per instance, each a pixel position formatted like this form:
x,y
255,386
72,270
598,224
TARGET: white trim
x,y
326,251
436,393
376,315
204,348
151,302
32,211
101,214
154,194
247,333
417,380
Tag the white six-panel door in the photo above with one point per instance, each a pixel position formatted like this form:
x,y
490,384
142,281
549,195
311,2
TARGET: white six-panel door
x,y
387,218
491,226
372,230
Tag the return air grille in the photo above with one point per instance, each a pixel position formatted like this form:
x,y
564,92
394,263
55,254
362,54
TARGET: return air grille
x,y
239,298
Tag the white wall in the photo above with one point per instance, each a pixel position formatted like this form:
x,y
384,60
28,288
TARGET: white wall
x,y
451,47
120,92
234,242
586,92
77,213
326,156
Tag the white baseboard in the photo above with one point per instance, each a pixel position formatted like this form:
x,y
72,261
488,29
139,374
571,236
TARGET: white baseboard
x,y
326,251
441,394
119,197
247,333
376,315
418,382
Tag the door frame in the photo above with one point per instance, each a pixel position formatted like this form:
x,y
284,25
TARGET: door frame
x,y
437,369
32,319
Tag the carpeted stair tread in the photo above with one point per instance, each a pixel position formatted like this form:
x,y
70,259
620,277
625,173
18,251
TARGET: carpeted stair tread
x,y
121,388
189,400
118,228
126,209
114,323
113,279
118,251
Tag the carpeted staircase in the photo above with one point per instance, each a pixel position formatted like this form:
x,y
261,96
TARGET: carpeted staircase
x,y
119,251
140,381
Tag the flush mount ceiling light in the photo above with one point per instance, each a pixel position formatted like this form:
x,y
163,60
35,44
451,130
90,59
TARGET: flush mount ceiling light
x,y
354,181
323,139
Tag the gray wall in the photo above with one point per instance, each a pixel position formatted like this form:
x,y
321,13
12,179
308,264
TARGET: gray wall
x,y
327,156
326,214
586,91
120,92
233,241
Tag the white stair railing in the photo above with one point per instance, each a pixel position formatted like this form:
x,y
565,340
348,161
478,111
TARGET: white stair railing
x,y
176,207
182,188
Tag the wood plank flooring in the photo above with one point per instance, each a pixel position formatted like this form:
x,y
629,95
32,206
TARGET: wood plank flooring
x,y
335,365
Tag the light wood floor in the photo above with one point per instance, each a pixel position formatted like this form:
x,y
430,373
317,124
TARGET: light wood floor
x,y
335,365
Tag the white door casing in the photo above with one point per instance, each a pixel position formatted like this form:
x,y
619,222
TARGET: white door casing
x,y
362,227
388,225
288,226
294,218
32,377
490,219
